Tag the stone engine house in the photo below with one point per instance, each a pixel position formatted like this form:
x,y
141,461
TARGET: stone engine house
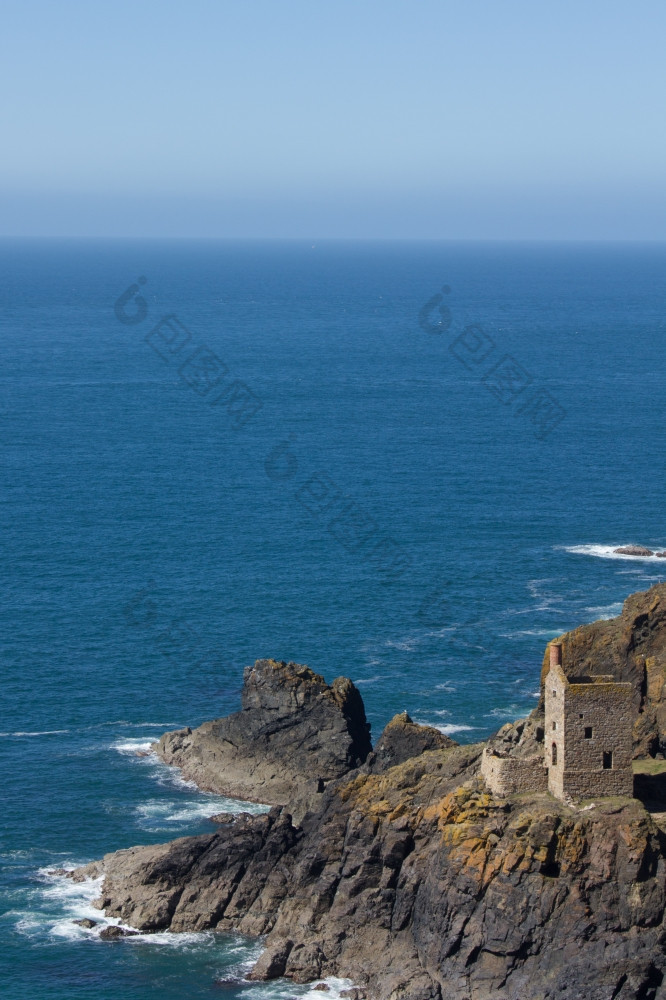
x,y
587,733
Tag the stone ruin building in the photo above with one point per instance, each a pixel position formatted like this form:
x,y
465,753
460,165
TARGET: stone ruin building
x,y
584,748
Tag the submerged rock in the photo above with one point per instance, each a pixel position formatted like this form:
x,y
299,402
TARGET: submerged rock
x,y
113,933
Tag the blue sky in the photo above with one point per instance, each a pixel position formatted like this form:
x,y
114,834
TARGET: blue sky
x,y
353,118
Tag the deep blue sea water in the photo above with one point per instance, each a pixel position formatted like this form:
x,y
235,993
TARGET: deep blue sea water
x,y
321,456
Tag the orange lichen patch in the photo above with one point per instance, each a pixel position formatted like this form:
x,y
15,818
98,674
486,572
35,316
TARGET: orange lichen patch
x,y
573,847
469,820
402,809
656,678
405,788
353,787
449,808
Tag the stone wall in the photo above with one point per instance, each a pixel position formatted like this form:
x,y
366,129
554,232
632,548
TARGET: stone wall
x,y
508,775
591,784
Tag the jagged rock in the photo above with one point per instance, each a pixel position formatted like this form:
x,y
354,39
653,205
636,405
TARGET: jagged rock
x,y
633,550
660,555
293,734
225,817
272,962
86,922
402,739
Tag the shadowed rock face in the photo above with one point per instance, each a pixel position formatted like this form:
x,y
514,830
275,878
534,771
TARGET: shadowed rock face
x,y
631,647
405,874
293,734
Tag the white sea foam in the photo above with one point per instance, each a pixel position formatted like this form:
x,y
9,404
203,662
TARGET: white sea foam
x,y
606,611
447,728
446,686
548,633
132,747
604,552
368,680
509,712
60,901
57,903
157,815
406,645
135,725
282,989
42,732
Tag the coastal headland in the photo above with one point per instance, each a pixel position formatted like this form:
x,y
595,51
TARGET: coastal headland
x,y
396,866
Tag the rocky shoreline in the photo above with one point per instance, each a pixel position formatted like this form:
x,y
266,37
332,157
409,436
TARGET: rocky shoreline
x,y
395,867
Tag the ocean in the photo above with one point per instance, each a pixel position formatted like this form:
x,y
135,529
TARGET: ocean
x,y
407,463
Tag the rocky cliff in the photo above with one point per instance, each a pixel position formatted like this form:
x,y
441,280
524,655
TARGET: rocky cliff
x,y
409,877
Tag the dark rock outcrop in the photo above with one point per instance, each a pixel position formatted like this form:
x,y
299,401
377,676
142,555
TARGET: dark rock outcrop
x,y
402,738
633,550
293,734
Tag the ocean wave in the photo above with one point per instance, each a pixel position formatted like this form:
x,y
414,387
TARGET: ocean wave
x,y
508,712
606,611
157,815
405,645
603,552
41,732
539,633
59,902
282,989
133,747
447,728
141,749
134,725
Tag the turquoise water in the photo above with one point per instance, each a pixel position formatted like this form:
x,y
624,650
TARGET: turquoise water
x,y
344,473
